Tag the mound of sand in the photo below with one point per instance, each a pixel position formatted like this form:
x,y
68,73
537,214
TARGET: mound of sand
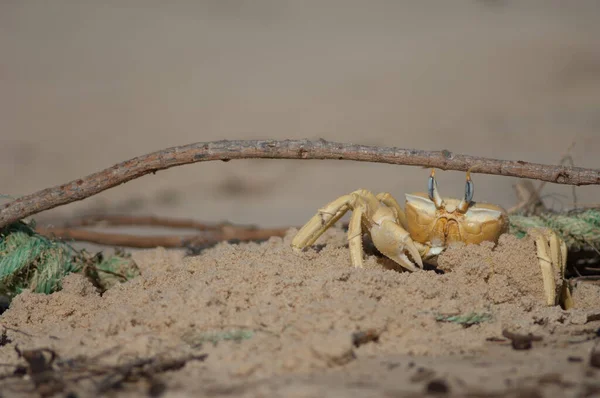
x,y
274,322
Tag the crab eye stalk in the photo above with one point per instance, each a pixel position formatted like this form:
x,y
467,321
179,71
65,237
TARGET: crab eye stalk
x,y
431,186
469,189
432,191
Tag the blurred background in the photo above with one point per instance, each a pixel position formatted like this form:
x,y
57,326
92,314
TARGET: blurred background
x,y
86,84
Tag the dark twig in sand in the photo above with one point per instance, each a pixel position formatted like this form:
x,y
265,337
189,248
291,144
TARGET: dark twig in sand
x,y
40,369
51,375
16,331
143,368
595,279
289,149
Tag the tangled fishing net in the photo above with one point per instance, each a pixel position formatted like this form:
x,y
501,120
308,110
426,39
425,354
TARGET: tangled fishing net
x,y
579,228
29,260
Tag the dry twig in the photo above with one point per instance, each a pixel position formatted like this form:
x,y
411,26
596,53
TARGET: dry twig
x,y
167,241
51,375
148,221
530,199
210,233
289,149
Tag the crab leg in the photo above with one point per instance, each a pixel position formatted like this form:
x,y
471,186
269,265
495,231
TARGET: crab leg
x,y
545,262
552,256
388,200
325,218
395,242
355,237
565,294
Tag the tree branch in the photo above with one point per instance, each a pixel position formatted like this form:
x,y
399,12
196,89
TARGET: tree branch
x,y
289,149
210,233
150,221
166,241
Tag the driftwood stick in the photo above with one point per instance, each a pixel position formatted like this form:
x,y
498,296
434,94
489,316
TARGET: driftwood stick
x,y
289,149
211,232
152,241
150,221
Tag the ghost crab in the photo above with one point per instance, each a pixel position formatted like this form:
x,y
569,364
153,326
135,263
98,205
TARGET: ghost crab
x,y
428,225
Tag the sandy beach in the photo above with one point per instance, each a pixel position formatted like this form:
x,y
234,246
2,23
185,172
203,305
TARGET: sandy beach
x,y
85,85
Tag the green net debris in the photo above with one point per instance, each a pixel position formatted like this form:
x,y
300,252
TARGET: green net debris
x,y
197,339
580,229
29,260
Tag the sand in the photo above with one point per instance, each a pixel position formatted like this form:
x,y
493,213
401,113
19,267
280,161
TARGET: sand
x,y
87,84
278,323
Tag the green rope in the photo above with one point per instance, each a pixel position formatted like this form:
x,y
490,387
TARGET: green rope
x,y
29,260
579,229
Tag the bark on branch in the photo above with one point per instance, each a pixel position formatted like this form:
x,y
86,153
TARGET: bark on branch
x,y
289,149
207,234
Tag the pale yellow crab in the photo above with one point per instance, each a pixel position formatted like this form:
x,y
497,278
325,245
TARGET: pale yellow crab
x,y
428,225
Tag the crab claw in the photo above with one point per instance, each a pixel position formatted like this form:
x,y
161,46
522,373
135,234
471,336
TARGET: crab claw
x,y
395,242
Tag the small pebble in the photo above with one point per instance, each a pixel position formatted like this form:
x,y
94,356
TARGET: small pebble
x,y
437,386
595,359
157,388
